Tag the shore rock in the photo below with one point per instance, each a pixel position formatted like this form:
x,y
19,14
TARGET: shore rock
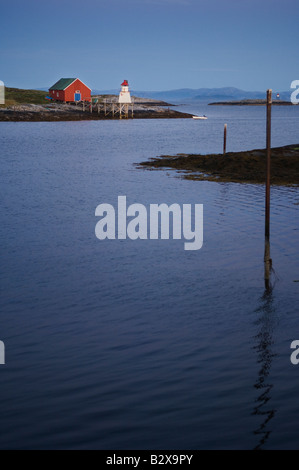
x,y
71,112
239,167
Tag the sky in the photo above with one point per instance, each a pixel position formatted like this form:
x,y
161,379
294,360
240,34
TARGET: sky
x,y
155,44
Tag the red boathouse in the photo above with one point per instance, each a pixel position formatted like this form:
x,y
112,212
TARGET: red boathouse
x,y
70,90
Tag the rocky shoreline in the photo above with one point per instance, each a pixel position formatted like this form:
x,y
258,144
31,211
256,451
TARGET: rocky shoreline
x,y
64,112
238,167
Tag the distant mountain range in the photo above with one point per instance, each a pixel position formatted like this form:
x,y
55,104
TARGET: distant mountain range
x,y
203,94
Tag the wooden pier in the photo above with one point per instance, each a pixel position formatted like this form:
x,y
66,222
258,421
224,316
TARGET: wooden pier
x,y
108,107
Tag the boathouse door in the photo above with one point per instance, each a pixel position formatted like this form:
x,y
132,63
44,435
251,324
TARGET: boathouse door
x,y
77,96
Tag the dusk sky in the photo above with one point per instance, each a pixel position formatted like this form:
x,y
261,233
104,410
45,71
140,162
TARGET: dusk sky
x,y
155,44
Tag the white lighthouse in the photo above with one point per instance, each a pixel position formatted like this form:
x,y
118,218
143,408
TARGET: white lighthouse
x,y
125,96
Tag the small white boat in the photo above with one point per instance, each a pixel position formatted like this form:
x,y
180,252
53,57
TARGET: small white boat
x,y
200,117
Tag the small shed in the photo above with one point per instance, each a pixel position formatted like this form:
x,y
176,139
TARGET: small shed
x,y
70,90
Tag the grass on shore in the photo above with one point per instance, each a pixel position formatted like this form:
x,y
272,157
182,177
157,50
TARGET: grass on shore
x,y
15,96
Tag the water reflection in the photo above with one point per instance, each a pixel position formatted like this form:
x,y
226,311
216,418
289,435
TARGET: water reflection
x,y
268,266
264,348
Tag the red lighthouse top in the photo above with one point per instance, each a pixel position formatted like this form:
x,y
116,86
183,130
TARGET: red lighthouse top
x,y
125,83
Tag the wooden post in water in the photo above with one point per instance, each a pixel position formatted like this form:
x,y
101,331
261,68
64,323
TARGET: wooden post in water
x,y
268,164
268,261
225,139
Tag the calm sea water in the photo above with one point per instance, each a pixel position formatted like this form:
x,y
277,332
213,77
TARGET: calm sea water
x,y
140,344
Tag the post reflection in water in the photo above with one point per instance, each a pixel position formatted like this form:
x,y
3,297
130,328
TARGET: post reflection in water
x,y
265,355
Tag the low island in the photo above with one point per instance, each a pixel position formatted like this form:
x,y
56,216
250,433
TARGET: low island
x,y
239,167
32,105
251,103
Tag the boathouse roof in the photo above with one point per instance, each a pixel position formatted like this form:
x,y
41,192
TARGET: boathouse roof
x,y
63,83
